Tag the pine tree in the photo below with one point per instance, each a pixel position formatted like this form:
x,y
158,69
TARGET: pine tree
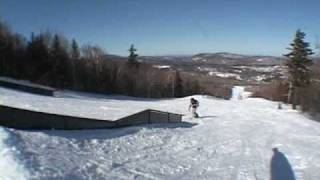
x,y
75,55
178,88
38,57
60,58
75,52
132,59
4,38
298,65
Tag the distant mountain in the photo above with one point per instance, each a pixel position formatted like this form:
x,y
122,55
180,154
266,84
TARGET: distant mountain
x,y
236,59
222,55
115,57
236,68
220,58
169,58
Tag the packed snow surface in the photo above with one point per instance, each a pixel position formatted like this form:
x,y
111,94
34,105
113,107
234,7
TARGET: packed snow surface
x,y
10,167
230,140
82,104
162,66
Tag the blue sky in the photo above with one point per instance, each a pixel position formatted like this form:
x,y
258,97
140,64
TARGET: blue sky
x,y
163,27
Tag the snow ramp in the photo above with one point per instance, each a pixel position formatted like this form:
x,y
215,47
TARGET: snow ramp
x,y
26,119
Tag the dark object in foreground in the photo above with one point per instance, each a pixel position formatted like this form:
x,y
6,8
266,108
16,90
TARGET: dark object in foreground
x,y
280,167
25,119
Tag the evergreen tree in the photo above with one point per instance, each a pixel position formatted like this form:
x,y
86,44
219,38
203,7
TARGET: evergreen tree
x,y
12,50
61,67
132,59
75,55
38,57
196,87
4,41
75,52
130,76
298,65
18,54
178,87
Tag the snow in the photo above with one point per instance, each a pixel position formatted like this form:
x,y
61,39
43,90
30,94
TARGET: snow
x,y
265,69
230,55
10,168
231,140
196,58
162,66
215,72
81,104
260,78
239,93
225,75
203,59
262,69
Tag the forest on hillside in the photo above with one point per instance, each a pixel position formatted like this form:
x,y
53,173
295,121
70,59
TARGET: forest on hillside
x,y
53,60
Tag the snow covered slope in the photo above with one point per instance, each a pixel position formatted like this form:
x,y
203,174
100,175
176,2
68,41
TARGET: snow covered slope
x,y
84,104
231,140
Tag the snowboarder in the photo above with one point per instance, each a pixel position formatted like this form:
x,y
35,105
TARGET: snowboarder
x,y
194,104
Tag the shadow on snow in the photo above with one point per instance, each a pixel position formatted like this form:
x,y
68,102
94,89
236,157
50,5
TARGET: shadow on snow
x,y
280,167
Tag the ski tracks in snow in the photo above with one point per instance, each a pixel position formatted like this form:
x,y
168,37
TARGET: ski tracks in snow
x,y
234,141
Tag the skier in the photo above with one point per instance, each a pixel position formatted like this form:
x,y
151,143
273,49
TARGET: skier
x,y
194,104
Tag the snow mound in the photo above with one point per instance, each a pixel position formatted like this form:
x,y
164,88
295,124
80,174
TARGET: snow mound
x,y
239,93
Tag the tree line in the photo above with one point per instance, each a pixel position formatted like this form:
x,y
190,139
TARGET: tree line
x,y
53,60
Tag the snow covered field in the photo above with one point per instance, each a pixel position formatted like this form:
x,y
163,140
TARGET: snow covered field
x,y
232,140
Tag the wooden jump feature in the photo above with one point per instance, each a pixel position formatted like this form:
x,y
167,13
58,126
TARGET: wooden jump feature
x,y
26,119
19,118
